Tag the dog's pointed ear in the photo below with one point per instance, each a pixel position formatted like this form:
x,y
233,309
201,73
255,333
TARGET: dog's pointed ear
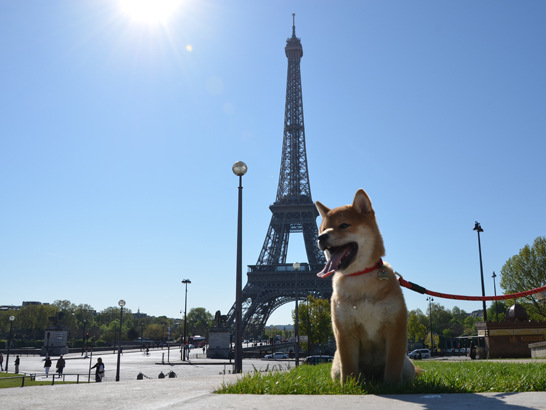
x,y
323,210
362,202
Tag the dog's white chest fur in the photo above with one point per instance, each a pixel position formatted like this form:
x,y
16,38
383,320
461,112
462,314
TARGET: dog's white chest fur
x,y
369,316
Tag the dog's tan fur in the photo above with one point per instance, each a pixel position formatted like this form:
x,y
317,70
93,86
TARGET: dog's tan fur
x,y
369,315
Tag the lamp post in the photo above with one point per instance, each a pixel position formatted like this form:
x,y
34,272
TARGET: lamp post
x,y
185,282
495,288
48,337
239,169
141,335
121,303
430,299
479,229
83,338
11,319
296,266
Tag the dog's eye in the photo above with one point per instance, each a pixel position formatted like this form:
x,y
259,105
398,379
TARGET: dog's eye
x,y
343,226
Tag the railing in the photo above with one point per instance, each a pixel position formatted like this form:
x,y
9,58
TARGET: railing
x,y
54,377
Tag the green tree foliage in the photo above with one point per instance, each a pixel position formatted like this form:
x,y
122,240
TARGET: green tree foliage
x,y
155,332
315,321
498,309
435,340
445,324
526,271
31,321
199,321
417,327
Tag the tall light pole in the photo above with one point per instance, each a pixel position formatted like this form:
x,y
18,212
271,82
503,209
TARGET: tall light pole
x,y
239,169
430,299
479,229
296,266
495,288
11,319
121,303
83,338
185,282
141,335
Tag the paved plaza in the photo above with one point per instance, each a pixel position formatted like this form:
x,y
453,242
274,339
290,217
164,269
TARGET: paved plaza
x,y
196,381
133,362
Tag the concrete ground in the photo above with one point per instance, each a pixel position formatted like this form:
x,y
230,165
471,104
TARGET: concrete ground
x,y
195,384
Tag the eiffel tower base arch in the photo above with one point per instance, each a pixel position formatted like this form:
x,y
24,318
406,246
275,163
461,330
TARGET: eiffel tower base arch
x,y
269,287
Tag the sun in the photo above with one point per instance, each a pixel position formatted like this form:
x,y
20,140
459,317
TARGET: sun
x,y
149,11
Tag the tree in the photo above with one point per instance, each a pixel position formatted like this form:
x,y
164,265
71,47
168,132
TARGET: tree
x,y
526,271
417,328
199,321
315,321
155,332
435,340
32,320
500,306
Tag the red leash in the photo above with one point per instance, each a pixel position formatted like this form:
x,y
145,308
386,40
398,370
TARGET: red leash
x,y
422,290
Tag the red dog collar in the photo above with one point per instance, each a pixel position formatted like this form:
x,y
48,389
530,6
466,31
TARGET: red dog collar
x,y
379,265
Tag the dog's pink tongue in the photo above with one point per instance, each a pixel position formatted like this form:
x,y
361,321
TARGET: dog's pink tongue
x,y
333,262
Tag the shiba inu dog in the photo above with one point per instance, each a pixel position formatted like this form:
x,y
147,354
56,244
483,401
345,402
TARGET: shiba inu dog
x,y
369,315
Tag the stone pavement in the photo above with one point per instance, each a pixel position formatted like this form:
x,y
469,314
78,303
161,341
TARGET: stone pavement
x,y
195,385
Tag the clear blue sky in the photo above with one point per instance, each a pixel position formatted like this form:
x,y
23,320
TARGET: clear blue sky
x,y
118,136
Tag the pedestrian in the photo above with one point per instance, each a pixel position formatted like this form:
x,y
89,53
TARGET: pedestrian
x,y
472,352
1,362
17,362
47,365
99,370
60,365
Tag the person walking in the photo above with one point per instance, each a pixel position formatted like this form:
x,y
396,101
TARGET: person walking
x,y
47,366
99,370
1,362
60,365
16,363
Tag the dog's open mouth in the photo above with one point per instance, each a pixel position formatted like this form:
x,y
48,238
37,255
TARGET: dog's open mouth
x,y
340,258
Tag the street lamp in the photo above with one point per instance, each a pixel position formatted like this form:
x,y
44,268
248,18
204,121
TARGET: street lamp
x,y
11,319
495,288
141,335
239,169
296,266
121,303
48,336
479,229
430,299
83,339
185,282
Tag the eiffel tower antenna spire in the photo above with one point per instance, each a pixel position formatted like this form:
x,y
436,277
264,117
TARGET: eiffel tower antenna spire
x,y
293,24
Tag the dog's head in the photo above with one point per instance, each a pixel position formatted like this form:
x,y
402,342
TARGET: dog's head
x,y
349,236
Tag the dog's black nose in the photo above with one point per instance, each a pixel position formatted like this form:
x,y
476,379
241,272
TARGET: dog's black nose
x,y
322,239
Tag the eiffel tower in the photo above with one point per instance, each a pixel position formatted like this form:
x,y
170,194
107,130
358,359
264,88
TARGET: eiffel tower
x,y
272,282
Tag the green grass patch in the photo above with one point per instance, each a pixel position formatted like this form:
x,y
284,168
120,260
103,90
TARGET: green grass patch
x,y
7,382
437,377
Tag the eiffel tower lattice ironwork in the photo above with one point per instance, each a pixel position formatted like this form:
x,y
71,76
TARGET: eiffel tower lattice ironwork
x,y
272,282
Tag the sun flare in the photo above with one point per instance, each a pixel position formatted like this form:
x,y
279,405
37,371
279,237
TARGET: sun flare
x,y
150,11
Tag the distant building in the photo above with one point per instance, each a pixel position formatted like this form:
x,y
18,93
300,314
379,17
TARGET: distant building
x,y
34,304
27,303
511,337
9,307
139,315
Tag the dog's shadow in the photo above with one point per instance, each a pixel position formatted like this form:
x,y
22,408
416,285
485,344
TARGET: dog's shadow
x,y
457,401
